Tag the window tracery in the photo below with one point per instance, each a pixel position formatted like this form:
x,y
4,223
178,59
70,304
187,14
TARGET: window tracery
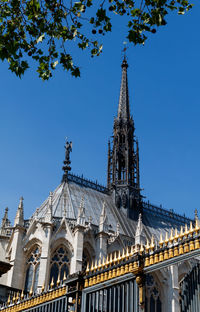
x,y
152,300
59,264
32,270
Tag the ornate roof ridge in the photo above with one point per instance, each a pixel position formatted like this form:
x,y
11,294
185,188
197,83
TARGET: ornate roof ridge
x,y
88,183
170,214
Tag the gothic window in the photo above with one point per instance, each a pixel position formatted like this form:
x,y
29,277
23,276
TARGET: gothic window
x,y
32,271
60,264
152,300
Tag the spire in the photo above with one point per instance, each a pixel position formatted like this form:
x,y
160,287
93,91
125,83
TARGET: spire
x,y
48,215
19,218
123,155
139,237
66,168
81,213
123,107
5,224
103,221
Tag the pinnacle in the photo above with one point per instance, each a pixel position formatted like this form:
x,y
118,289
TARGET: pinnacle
x,y
123,107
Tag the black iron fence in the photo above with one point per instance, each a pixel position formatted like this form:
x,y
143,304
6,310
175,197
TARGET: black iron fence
x,y
190,291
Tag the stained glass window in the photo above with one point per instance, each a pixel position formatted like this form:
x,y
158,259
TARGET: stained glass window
x,y
60,264
32,271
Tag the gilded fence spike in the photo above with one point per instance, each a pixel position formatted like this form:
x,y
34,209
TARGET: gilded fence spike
x,y
171,236
92,267
22,295
123,254
31,291
161,242
52,283
119,256
64,277
104,262
58,280
88,268
186,230
196,226
115,257
166,238
141,248
181,234
8,302
176,236
99,264
147,247
95,267
17,296
42,290
107,261
127,252
13,298
152,243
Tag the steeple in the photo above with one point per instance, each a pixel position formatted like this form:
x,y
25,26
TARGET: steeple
x,y
123,155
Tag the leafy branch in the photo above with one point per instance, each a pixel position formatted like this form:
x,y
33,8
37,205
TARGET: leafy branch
x,y
44,30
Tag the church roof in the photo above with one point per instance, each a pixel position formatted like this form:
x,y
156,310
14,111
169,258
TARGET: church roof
x,y
67,197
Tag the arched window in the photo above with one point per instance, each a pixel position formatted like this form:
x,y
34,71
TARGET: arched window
x,y
32,271
152,300
59,264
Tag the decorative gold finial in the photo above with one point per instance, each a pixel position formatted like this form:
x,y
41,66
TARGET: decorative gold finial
x,y
22,295
181,234
92,267
58,280
152,243
64,277
161,242
42,289
171,236
191,230
95,267
176,236
166,238
99,263
8,302
123,254
31,291
127,252
88,268
147,247
52,283
186,230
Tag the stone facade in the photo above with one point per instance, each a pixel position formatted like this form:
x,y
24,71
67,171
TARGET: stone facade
x,y
80,222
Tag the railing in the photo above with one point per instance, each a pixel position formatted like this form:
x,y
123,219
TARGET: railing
x,y
169,214
88,183
190,291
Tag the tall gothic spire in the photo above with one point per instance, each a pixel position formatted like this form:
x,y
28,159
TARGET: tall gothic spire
x,y
123,154
123,107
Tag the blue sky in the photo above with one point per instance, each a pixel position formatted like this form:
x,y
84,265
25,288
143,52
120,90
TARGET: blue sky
x,y
36,116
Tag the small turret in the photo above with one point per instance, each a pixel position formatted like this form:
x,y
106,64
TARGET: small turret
x,y
81,213
48,215
19,218
139,237
103,221
5,224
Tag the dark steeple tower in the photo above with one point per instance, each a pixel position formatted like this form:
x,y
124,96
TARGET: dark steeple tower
x,y
123,156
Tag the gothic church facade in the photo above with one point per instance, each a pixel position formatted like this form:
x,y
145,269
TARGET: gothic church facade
x,y
82,221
